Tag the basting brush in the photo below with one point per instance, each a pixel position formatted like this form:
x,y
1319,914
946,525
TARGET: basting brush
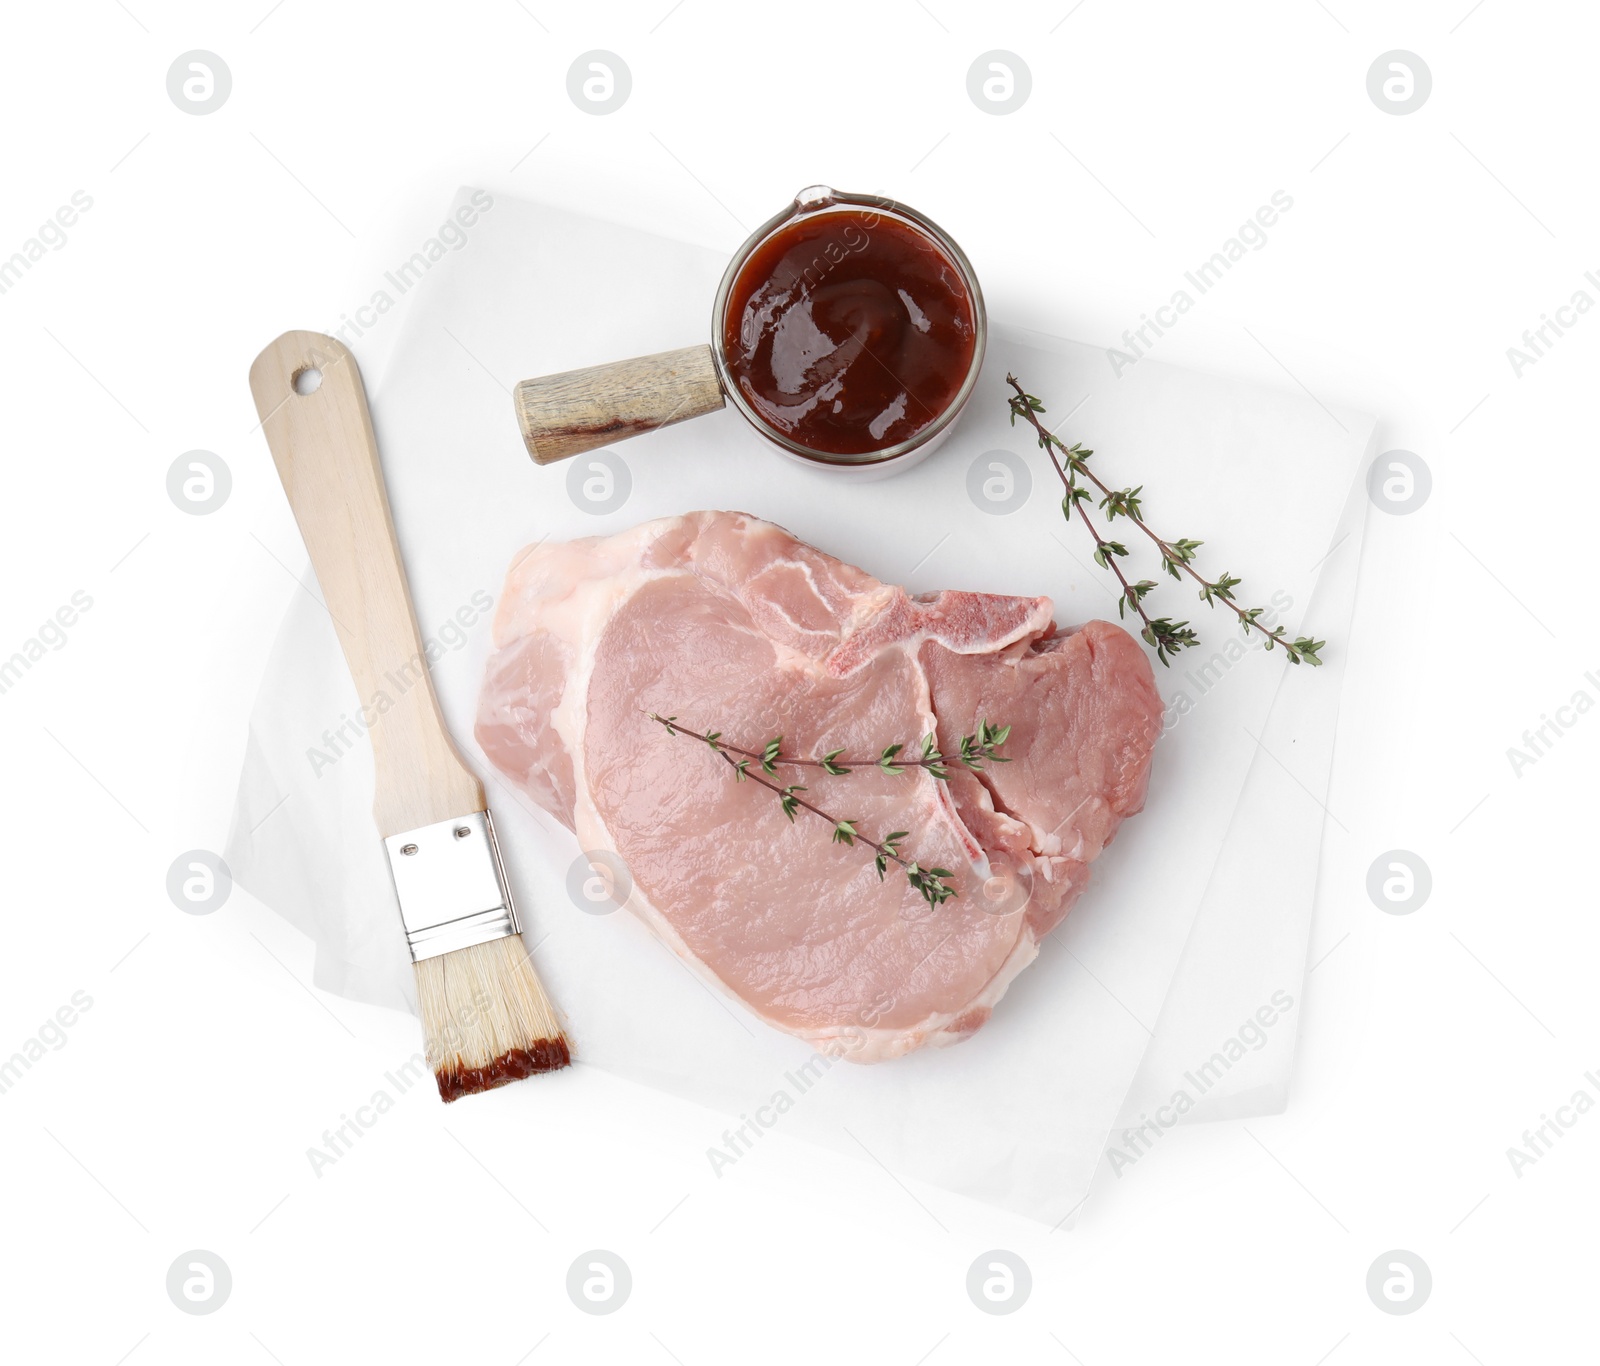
x,y
485,1015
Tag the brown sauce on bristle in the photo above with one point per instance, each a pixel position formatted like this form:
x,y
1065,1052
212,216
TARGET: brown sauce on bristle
x,y
546,1055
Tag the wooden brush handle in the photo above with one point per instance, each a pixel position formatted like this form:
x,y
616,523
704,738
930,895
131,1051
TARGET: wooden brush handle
x,y
573,412
327,458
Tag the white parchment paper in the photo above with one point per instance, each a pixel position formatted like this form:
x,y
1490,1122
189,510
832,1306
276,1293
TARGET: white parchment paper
x,y
1019,1116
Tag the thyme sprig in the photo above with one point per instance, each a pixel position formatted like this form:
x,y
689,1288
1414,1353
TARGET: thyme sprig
x,y
932,884
981,747
1162,634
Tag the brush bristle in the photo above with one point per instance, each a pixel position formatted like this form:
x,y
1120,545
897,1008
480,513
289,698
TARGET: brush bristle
x,y
486,1018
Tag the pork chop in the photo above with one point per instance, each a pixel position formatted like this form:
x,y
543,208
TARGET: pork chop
x,y
730,624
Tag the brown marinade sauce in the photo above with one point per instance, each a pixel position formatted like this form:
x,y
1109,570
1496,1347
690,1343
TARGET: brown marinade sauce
x,y
849,331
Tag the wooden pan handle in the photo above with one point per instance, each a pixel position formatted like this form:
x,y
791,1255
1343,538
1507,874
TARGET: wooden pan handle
x,y
573,412
327,458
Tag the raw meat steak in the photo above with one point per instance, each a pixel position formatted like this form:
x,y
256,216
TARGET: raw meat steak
x,y
731,624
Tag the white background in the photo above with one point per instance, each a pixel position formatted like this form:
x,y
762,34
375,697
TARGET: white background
x,y
178,1112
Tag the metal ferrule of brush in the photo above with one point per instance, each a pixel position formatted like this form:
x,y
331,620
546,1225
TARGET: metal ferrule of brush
x,y
452,886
